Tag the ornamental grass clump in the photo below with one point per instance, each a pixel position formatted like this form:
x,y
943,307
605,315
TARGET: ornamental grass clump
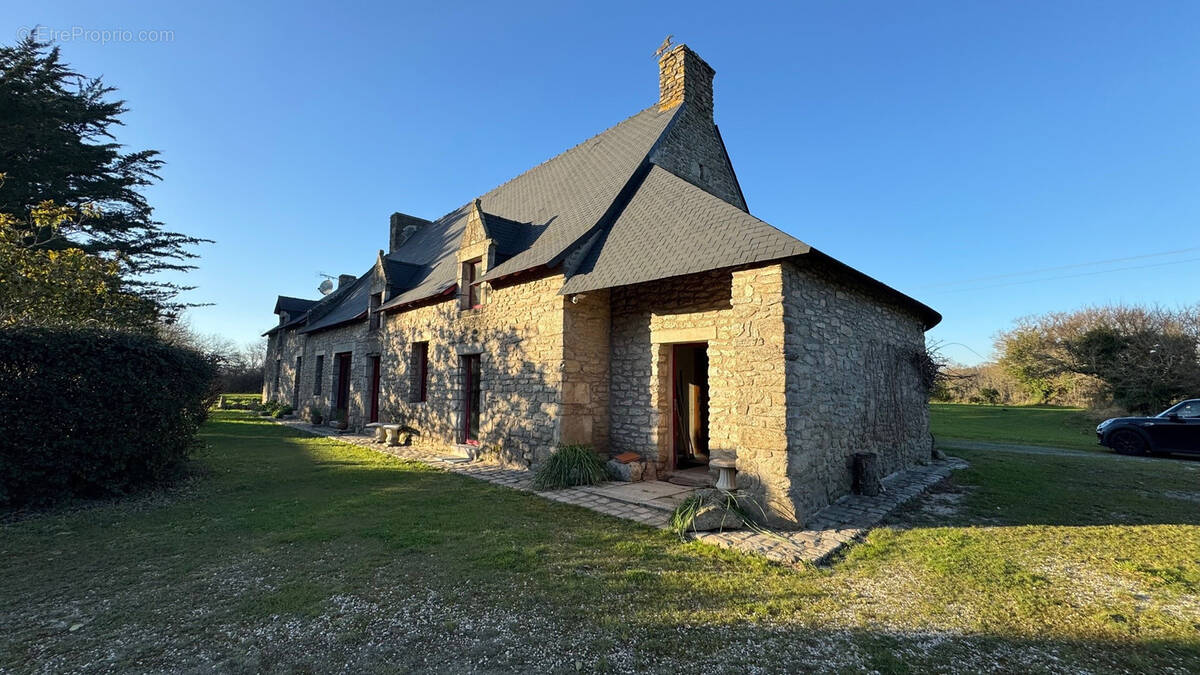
x,y
732,508
570,465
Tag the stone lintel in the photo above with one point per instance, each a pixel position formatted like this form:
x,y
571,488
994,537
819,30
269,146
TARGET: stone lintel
x,y
683,335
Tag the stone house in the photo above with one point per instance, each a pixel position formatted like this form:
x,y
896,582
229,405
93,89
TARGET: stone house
x,y
621,295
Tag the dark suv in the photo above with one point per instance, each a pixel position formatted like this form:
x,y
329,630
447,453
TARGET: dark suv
x,y
1176,429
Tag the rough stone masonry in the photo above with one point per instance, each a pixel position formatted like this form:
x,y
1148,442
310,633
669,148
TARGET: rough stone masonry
x,y
551,310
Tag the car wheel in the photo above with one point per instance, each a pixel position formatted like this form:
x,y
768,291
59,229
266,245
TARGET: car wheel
x,y
1127,442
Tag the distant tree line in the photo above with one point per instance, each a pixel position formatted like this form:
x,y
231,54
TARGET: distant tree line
x,y
239,366
1140,359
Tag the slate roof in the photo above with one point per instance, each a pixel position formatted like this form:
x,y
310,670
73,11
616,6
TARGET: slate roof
x,y
632,220
541,213
567,195
297,309
350,303
293,305
671,228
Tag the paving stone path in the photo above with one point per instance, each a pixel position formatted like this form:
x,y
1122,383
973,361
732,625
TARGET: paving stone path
x,y
842,522
652,502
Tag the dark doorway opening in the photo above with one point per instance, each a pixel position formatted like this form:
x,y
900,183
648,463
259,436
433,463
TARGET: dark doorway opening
x,y
296,385
374,388
472,398
341,392
689,404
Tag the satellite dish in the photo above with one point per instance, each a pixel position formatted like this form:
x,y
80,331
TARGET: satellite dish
x,y
325,287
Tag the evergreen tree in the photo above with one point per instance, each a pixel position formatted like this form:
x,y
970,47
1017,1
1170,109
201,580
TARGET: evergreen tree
x,y
57,144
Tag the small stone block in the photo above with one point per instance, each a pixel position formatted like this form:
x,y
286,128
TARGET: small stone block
x,y
629,473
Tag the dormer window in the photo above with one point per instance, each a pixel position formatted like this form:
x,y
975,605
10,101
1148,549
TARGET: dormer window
x,y
375,316
472,272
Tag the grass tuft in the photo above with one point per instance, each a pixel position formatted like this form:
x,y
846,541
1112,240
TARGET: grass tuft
x,y
570,465
683,518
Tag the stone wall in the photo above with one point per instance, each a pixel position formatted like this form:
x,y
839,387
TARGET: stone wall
x,y
362,346
518,334
283,347
739,315
585,370
748,412
268,387
804,371
852,385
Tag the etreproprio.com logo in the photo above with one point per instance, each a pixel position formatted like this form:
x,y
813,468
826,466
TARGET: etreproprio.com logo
x,y
100,35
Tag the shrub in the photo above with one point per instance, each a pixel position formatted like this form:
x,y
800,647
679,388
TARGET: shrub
x,y
282,410
94,412
570,465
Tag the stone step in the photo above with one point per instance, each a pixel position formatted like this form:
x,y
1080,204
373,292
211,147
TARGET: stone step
x,y
658,495
464,451
690,479
454,460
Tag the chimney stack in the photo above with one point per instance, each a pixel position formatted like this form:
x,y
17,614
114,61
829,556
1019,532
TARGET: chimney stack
x,y
684,77
346,279
402,228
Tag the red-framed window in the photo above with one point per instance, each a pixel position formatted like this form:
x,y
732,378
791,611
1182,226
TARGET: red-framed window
x,y
419,372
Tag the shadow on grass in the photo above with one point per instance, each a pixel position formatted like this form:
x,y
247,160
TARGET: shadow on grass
x,y
1026,489
308,531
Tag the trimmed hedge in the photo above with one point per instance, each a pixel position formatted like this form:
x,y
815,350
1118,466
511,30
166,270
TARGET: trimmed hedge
x,y
94,413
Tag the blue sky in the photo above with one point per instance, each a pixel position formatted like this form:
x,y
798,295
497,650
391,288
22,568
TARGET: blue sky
x,y
947,148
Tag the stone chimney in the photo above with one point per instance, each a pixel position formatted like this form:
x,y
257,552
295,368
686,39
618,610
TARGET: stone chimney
x,y
403,227
684,77
346,279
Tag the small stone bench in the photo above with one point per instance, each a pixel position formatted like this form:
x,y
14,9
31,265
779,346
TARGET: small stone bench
x,y
377,431
385,433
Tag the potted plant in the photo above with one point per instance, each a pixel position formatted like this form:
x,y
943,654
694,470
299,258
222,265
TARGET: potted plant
x,y
316,416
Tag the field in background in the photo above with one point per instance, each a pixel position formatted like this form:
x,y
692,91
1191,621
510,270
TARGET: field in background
x,y
1024,425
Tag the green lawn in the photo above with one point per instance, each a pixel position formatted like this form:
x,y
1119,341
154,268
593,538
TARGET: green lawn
x,y
295,553
1025,425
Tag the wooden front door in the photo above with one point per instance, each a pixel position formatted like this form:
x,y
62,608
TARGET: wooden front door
x,y
374,389
472,396
341,399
